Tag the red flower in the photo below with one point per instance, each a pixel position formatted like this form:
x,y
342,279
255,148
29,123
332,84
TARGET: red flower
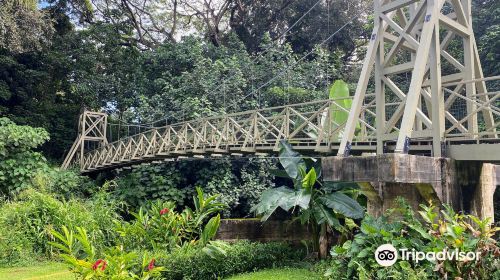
x,y
164,211
99,262
151,264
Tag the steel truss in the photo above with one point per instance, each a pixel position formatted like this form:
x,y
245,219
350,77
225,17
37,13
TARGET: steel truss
x,y
412,37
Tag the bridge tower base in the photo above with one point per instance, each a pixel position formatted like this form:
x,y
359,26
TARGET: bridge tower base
x,y
467,186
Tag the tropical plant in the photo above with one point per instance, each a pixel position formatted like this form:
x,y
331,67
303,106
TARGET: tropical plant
x,y
85,261
156,229
317,203
161,227
434,232
26,224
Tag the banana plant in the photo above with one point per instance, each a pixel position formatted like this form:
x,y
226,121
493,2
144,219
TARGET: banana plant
x,y
314,202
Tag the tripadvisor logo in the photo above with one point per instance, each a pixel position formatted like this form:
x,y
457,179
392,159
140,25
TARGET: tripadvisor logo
x,y
387,255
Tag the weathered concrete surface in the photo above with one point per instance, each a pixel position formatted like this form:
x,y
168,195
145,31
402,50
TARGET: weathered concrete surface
x,y
395,168
466,186
255,230
482,201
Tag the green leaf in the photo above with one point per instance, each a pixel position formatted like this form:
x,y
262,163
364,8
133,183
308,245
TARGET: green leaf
x,y
283,197
340,92
309,180
337,186
323,214
291,160
279,173
343,204
210,229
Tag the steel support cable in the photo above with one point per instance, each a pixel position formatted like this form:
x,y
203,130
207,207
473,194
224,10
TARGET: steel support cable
x,y
297,62
258,56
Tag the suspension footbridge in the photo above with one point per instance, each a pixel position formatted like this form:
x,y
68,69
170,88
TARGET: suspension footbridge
x,y
445,110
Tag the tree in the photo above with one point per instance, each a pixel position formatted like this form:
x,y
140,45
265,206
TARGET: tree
x,y
212,15
152,22
486,23
252,19
22,27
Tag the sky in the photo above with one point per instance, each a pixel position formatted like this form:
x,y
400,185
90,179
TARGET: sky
x,y
42,4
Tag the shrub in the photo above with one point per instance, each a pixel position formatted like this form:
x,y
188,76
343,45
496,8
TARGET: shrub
x,y
160,226
64,184
242,256
112,263
355,258
19,164
153,182
238,184
26,224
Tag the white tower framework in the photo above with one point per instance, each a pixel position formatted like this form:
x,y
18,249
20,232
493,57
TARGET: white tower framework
x,y
431,45
91,128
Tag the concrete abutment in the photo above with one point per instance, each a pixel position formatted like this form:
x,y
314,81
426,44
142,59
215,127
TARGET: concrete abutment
x,y
468,187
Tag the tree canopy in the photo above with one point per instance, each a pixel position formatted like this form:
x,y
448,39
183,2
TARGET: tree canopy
x,y
175,59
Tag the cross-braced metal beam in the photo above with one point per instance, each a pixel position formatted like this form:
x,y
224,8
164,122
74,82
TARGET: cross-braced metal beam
x,y
411,39
91,128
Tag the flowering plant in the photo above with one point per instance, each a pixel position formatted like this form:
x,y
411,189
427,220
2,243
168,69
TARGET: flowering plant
x,y
114,263
161,227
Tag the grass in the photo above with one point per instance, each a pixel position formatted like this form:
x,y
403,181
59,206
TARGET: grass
x,y
278,274
47,271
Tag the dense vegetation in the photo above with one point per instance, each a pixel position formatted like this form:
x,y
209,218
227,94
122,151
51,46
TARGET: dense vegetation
x,y
181,61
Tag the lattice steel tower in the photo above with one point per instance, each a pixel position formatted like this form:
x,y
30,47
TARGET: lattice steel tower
x,y
422,39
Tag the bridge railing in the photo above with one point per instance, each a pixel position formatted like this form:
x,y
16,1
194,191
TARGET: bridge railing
x,y
472,116
316,126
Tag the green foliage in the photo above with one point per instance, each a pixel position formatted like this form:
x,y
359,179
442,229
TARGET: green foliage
x,y
26,224
241,256
486,22
65,184
160,227
19,164
77,251
317,204
237,184
157,182
23,28
445,230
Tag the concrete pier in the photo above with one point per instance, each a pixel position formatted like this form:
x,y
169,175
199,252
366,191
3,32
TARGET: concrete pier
x,y
467,186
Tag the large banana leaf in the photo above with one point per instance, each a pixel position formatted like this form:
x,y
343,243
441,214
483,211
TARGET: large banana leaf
x,y
339,90
292,162
323,214
282,197
343,204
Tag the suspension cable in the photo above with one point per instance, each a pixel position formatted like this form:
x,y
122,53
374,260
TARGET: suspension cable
x,y
298,61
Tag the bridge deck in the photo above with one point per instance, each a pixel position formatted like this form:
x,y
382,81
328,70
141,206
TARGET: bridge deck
x,y
311,127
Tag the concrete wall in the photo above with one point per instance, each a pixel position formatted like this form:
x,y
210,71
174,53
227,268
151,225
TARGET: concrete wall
x,y
255,230
466,186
